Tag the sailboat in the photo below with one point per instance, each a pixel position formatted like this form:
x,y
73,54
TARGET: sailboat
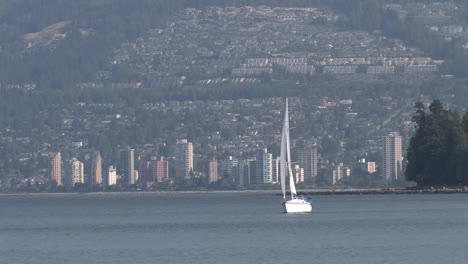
x,y
295,204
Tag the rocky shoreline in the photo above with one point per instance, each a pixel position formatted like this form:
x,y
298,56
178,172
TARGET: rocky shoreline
x,y
340,191
427,190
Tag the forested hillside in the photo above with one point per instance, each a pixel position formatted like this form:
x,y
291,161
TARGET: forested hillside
x,y
95,27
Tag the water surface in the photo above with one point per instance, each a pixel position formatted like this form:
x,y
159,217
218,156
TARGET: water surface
x,y
232,228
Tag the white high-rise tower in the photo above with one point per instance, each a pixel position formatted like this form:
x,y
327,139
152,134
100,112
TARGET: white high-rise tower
x,y
392,157
183,158
76,171
264,167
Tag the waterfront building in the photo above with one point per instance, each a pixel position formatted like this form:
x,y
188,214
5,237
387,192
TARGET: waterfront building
x,y
111,176
127,162
308,160
392,157
298,173
369,166
253,172
152,170
276,170
228,167
57,169
213,171
183,158
96,169
339,173
76,172
144,171
136,175
336,176
243,178
162,169
264,167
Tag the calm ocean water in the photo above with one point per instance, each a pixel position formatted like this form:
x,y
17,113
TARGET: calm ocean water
x,y
232,228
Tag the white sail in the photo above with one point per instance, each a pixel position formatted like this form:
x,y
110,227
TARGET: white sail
x,y
283,169
292,186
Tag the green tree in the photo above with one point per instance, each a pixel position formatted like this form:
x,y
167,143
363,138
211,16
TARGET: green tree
x,y
435,154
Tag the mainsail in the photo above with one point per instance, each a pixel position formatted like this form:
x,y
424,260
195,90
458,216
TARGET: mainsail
x,y
283,169
285,160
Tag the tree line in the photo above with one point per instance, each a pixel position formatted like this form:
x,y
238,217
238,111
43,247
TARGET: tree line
x,y
438,151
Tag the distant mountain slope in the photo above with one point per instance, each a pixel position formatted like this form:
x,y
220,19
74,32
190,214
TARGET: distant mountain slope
x,y
55,43
47,41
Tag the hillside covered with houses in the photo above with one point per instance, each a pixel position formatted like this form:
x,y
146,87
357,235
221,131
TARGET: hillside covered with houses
x,y
217,75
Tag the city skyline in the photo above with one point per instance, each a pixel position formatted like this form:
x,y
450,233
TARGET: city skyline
x,y
260,169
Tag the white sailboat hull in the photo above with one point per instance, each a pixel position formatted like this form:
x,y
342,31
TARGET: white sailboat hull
x,y
297,206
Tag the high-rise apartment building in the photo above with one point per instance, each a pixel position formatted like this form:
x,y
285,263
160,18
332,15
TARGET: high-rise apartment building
x,y
76,172
276,170
298,173
162,169
96,169
339,173
264,167
57,168
213,171
392,157
253,172
111,176
150,175
228,167
183,158
144,171
127,162
147,171
243,178
308,160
